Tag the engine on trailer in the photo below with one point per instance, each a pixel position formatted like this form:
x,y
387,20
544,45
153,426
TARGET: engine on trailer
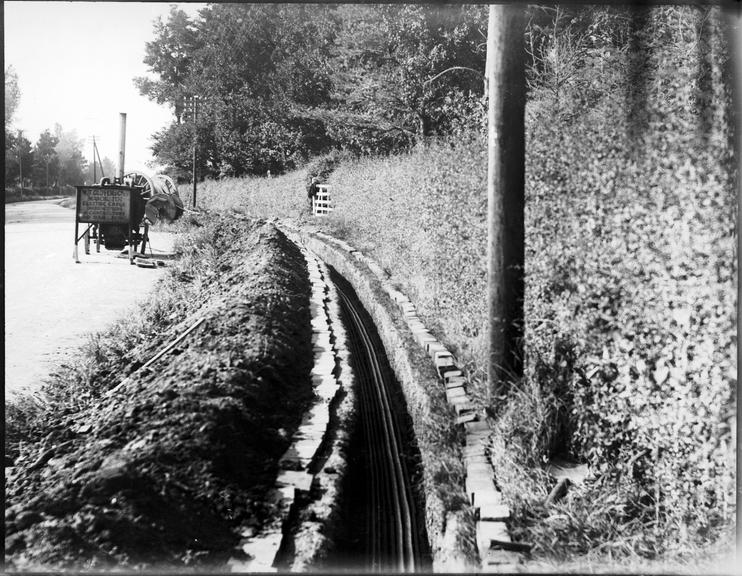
x,y
156,199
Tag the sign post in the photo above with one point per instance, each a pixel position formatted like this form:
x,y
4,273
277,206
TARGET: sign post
x,y
105,205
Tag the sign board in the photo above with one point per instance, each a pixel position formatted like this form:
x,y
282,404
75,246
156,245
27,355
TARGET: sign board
x,y
104,204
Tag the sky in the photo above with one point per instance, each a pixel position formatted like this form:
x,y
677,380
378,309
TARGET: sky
x,y
76,62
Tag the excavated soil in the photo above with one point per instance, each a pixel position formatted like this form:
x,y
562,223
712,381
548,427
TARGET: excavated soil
x,y
165,471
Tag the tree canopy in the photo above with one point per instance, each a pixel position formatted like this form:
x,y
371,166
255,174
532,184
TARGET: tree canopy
x,y
277,84
12,95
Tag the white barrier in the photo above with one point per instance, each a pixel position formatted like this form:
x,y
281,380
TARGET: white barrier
x,y
321,203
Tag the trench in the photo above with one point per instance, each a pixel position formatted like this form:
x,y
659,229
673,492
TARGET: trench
x,y
382,526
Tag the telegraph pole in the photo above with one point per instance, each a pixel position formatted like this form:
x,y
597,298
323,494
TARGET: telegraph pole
x,y
20,158
195,145
734,29
505,193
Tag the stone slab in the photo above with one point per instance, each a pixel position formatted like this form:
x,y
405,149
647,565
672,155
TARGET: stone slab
x,y
491,530
460,401
505,560
434,346
477,427
298,479
474,485
465,408
467,417
483,469
493,512
262,552
455,382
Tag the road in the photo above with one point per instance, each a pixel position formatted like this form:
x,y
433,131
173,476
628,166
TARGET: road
x,y
52,304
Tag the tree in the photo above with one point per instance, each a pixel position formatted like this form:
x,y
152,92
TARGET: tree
x,y
20,158
12,95
72,163
280,83
402,64
170,56
46,162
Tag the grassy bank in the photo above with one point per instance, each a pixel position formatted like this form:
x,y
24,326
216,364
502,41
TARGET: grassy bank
x,y
117,465
631,279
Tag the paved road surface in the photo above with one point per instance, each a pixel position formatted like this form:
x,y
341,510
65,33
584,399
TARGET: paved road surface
x,y
51,303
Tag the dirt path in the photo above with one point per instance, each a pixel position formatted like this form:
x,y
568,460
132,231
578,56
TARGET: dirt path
x,y
51,303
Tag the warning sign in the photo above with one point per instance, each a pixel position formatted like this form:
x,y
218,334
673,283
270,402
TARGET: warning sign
x,y
103,204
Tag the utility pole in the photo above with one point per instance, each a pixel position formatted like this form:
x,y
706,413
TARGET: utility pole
x,y
734,30
505,193
195,145
20,159
95,174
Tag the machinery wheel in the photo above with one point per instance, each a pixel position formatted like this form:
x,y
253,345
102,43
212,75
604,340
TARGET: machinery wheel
x,y
148,184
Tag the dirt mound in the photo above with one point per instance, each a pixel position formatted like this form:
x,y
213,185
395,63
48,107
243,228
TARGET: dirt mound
x,y
166,470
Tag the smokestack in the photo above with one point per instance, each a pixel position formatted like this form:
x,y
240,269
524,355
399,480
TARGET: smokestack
x,y
122,146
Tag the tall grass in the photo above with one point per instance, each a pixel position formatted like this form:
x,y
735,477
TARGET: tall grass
x,y
631,279
280,197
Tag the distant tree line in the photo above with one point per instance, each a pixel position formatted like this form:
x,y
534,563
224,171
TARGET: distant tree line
x,y
51,165
278,84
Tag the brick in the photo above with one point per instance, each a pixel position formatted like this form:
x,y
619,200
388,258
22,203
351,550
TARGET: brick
x,y
454,382
443,363
443,370
460,401
423,338
489,530
467,408
466,417
474,485
506,560
434,346
472,450
493,512
479,469
477,427
299,480
262,552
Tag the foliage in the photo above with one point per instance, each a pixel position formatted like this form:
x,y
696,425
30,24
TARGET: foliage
x,y
12,95
46,161
278,84
323,166
630,297
18,157
281,197
631,276
72,162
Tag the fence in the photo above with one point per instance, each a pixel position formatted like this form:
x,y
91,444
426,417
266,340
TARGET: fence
x,y
321,203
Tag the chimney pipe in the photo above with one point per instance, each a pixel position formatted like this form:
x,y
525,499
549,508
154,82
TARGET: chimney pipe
x,y
122,146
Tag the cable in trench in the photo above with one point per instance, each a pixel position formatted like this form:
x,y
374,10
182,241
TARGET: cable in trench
x,y
394,536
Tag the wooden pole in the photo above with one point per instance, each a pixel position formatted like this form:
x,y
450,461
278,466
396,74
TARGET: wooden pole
x,y
20,158
505,192
734,31
195,144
